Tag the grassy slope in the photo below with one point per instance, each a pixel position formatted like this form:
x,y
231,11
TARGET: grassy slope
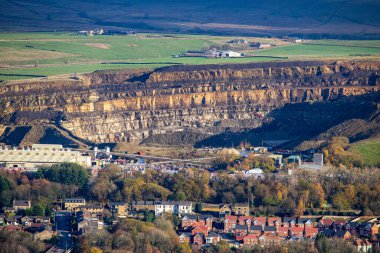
x,y
369,150
67,53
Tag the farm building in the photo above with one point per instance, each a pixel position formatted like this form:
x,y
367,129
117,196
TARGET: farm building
x,y
212,53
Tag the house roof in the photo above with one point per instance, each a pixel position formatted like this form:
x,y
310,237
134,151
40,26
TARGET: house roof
x,y
304,220
270,228
353,224
326,222
242,227
230,218
244,218
273,219
250,236
260,219
187,234
21,202
213,234
256,228
289,219
282,229
190,216
367,225
341,233
200,228
201,235
205,216
339,222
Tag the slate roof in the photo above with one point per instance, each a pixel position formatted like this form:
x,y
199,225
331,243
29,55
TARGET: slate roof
x,y
256,228
270,228
241,227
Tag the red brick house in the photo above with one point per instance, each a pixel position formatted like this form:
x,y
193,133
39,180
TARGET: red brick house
x,y
184,238
311,232
269,239
245,220
199,239
269,230
241,230
212,238
200,230
262,221
289,222
207,221
229,223
305,222
296,231
256,230
274,221
188,220
250,239
282,231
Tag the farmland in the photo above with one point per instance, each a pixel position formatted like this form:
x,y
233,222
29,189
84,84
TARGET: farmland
x,y
369,150
28,55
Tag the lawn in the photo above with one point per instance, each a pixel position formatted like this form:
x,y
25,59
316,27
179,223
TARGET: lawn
x,y
26,55
369,150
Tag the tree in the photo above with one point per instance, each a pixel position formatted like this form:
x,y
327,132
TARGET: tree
x,y
65,173
198,207
148,216
38,210
184,248
95,250
180,196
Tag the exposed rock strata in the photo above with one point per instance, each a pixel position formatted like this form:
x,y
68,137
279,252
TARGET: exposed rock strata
x,y
130,106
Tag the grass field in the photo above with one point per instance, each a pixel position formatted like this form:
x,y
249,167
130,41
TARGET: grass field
x,y
28,55
369,150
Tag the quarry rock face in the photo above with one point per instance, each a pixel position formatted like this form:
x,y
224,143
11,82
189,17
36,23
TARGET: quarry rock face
x,y
113,106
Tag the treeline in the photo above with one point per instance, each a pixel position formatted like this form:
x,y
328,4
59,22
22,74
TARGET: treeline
x,y
280,194
336,153
20,242
44,187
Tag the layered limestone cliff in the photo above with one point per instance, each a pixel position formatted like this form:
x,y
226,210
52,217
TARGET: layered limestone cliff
x,y
111,106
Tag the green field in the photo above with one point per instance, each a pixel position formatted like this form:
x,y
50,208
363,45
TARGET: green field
x,y
28,55
368,150
326,50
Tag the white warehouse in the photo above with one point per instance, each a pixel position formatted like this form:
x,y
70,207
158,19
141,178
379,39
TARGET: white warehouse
x,y
40,155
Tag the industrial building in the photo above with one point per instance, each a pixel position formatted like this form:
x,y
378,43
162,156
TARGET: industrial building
x,y
40,155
